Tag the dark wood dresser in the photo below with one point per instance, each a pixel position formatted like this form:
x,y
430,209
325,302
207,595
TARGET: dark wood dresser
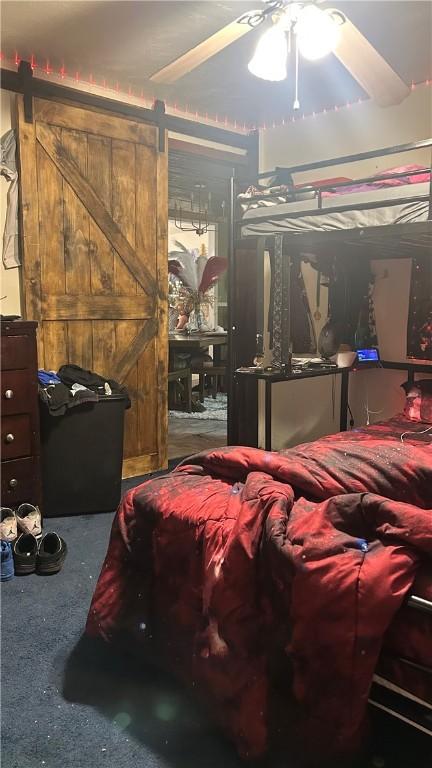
x,y
20,444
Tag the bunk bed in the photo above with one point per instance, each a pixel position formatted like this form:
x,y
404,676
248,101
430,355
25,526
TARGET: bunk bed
x,y
381,216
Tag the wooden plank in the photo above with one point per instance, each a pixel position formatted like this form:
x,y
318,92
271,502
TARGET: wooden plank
x,y
126,333
29,221
146,204
123,197
51,222
125,360
96,307
162,306
102,255
142,465
76,221
95,207
147,373
123,209
55,345
98,123
101,252
147,400
104,347
76,244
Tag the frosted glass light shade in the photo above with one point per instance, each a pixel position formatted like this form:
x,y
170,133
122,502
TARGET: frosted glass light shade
x,y
270,58
317,33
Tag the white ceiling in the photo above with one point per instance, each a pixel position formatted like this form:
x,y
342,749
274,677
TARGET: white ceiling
x,y
128,41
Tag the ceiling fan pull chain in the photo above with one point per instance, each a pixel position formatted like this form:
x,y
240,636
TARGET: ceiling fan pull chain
x,y
296,104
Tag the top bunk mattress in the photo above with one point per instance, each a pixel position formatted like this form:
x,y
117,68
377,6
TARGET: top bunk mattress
x,y
392,205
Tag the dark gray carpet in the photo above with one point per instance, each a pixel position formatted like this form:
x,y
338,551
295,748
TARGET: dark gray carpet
x,y
68,703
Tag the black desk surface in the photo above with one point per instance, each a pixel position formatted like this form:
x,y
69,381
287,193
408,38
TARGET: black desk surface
x,y
277,376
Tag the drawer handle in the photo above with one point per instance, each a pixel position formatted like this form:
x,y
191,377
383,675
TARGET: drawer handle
x,y
13,483
9,394
10,437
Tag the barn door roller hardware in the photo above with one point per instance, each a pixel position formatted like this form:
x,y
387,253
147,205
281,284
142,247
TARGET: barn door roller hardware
x,y
25,74
159,109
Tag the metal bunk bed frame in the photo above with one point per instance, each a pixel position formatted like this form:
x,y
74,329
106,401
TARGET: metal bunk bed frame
x,y
387,241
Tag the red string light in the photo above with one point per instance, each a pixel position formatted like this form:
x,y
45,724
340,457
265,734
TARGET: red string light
x,y
48,71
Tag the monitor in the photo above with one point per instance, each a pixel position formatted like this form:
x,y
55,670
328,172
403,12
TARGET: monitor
x,y
368,355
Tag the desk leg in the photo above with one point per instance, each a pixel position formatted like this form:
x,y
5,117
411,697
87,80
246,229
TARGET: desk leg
x,y
243,412
344,400
217,354
268,416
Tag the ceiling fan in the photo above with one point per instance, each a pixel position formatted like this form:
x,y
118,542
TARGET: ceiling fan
x,y
306,30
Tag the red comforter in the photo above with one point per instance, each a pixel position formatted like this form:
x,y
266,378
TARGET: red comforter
x,y
240,553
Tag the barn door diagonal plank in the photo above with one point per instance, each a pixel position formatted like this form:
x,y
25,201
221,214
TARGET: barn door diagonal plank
x,y
62,160
124,362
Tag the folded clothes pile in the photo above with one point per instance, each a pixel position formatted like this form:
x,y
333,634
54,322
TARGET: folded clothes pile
x,y
72,386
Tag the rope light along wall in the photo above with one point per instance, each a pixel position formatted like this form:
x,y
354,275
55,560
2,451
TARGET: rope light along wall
x,y
78,79
336,108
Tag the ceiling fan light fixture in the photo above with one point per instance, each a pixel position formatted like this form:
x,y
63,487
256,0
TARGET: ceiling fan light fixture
x,y
269,61
318,32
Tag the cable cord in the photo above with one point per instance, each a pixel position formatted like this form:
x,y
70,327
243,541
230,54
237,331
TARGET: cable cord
x,y
370,413
414,432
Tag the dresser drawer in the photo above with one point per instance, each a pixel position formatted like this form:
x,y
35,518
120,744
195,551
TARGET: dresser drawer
x,y
19,481
16,352
17,389
16,437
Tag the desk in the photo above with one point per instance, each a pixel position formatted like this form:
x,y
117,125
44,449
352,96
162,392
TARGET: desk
x,y
246,383
274,377
191,342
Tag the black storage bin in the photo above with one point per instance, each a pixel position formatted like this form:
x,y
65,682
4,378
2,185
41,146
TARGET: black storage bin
x,y
82,454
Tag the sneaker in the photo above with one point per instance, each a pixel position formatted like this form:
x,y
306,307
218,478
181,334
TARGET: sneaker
x,y
29,520
51,554
24,552
7,563
8,525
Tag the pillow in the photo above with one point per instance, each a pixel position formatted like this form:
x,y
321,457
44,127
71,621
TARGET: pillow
x,y
418,403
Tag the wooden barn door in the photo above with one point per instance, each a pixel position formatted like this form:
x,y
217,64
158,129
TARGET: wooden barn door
x,y
94,220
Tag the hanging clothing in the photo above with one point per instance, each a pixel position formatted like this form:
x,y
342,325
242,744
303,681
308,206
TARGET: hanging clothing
x,y
419,330
302,329
351,306
8,169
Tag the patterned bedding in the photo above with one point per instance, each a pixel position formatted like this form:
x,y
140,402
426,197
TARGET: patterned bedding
x,y
241,556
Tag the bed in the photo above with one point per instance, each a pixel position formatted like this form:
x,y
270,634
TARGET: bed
x,y
370,206
243,562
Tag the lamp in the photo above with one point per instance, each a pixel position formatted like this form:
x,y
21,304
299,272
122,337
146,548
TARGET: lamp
x,y
317,32
270,58
198,216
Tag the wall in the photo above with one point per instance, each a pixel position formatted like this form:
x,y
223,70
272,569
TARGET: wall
x,y
10,278
305,409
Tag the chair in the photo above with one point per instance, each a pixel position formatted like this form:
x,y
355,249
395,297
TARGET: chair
x,y
182,375
214,372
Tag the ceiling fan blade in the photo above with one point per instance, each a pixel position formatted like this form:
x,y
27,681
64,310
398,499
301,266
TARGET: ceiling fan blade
x,y
368,67
203,51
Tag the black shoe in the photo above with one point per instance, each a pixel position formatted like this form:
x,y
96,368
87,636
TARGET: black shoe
x,y
24,552
51,555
